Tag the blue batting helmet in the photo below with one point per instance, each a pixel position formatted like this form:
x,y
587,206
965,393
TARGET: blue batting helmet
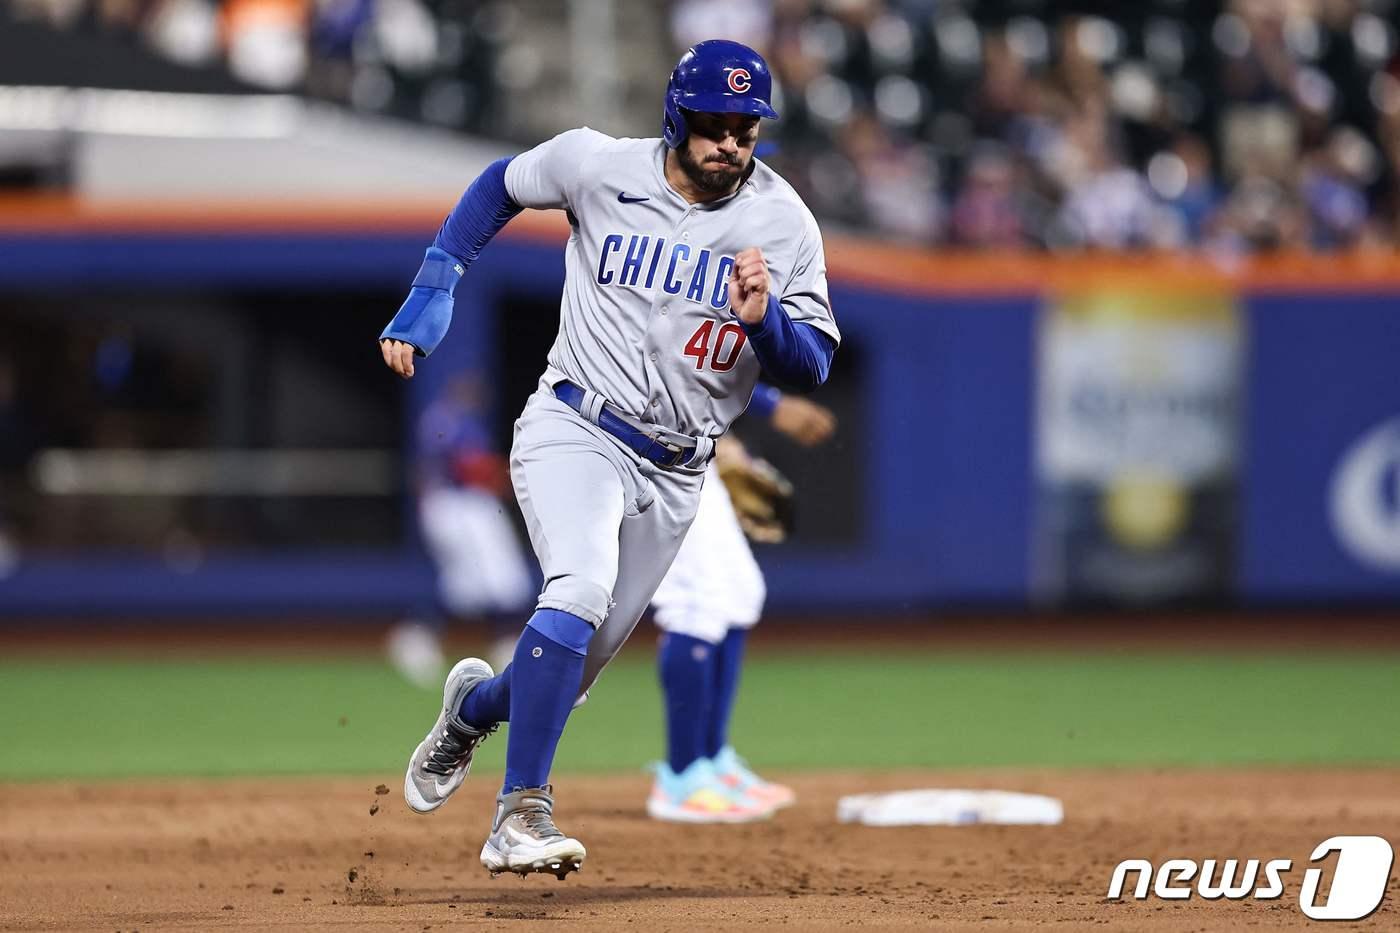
x,y
716,76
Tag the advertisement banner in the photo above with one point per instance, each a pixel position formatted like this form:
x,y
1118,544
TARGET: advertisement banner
x,y
1137,446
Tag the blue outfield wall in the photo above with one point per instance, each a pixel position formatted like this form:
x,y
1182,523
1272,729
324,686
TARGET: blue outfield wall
x,y
1322,493
947,401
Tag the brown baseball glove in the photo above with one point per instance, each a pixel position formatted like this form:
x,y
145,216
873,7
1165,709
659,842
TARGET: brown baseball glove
x,y
762,496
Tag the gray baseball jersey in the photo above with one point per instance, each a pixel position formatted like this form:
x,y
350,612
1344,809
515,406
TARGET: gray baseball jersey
x,y
645,322
644,319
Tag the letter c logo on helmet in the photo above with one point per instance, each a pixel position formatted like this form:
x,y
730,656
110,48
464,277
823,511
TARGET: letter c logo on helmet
x,y
716,76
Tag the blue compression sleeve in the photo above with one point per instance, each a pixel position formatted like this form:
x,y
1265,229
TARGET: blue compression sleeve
x,y
483,210
797,355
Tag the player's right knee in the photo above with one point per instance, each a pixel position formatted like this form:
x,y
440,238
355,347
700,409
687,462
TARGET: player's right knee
x,y
577,595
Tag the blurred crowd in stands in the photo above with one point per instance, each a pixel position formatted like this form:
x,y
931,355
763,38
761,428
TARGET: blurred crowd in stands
x,y
1230,126
432,61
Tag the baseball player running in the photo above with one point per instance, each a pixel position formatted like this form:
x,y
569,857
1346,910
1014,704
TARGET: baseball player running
x,y
706,604
690,267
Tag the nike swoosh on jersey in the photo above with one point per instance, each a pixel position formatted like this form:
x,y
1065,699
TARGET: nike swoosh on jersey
x,y
624,198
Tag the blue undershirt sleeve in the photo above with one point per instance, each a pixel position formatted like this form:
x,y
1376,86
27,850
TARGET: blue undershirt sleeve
x,y
794,354
483,210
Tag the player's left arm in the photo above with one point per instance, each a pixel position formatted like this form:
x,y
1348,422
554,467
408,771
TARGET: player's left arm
x,y
795,335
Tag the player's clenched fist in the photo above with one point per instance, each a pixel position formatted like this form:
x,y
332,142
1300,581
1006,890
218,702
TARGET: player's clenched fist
x,y
748,286
398,356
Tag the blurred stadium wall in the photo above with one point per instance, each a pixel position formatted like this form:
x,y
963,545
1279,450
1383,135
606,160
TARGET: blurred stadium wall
x,y
204,225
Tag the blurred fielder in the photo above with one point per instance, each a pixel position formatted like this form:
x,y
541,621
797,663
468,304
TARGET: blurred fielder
x,y
690,267
463,488
710,598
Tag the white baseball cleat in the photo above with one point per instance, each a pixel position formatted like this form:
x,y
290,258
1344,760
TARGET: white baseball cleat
x,y
697,795
524,838
441,761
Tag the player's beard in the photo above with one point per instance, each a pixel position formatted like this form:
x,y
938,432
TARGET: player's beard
x,y
711,182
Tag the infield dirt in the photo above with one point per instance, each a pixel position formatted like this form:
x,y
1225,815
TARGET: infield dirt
x,y
308,854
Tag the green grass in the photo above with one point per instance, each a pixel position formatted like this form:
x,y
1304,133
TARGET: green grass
x,y
87,718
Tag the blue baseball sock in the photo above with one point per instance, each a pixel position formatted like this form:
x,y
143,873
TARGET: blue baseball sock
x,y
544,682
489,703
729,659
687,669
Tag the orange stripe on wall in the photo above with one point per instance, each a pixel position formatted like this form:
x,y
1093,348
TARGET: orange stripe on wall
x,y
850,260
62,215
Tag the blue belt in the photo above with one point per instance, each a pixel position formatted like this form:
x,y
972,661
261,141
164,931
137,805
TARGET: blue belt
x,y
638,441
